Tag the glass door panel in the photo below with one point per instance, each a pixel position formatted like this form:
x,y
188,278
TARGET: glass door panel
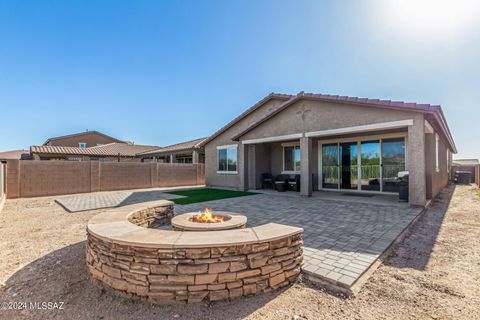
x,y
370,165
349,165
330,166
393,159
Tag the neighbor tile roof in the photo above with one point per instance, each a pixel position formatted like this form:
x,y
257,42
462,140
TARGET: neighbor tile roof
x,y
110,149
187,145
435,110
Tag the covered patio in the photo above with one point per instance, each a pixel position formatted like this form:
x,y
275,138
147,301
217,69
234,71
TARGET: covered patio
x,y
364,159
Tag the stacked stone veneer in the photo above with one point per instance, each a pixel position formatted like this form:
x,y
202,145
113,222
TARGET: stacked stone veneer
x,y
195,274
152,217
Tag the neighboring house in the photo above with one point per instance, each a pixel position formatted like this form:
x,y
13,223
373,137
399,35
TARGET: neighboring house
x,y
185,152
85,139
108,152
334,143
465,165
14,155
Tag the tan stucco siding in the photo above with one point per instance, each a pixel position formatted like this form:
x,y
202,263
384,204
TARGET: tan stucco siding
x,y
436,180
305,116
212,178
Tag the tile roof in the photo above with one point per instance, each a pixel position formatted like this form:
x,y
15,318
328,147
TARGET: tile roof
x,y
82,134
187,145
397,105
110,149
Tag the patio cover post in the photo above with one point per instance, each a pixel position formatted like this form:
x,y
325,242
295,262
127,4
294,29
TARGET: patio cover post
x,y
416,163
242,166
306,166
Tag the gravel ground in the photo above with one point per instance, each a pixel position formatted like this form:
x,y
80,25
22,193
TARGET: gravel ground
x,y
433,274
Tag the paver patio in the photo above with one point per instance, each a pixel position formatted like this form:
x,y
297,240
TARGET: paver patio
x,y
342,237
110,199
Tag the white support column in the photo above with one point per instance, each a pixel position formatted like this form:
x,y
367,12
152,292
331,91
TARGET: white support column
x,y
306,166
195,156
171,158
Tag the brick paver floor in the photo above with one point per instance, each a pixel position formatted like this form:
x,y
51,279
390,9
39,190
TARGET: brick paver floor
x,y
99,200
342,238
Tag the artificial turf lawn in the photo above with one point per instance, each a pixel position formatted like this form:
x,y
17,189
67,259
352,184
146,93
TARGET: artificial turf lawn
x,y
206,194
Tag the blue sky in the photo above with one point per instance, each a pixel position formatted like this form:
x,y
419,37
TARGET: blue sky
x,y
159,72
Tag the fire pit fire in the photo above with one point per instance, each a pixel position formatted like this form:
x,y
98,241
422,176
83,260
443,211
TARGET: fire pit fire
x,y
208,216
208,220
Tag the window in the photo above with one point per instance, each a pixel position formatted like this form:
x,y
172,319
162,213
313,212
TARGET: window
x,y
437,168
291,158
82,145
227,159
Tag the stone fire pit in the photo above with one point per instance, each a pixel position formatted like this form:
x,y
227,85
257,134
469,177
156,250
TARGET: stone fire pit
x,y
229,220
125,253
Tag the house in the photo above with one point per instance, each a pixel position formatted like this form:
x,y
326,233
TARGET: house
x,y
88,145
185,152
85,139
335,143
115,151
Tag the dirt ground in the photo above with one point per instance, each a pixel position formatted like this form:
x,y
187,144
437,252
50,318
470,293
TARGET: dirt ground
x,y
433,274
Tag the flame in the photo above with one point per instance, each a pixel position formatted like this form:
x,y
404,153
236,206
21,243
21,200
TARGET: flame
x,y
207,216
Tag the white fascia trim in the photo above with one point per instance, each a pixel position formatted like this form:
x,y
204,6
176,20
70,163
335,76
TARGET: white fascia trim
x,y
428,127
273,139
228,146
367,127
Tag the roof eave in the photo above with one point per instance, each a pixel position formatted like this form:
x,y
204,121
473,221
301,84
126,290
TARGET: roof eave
x,y
243,115
431,109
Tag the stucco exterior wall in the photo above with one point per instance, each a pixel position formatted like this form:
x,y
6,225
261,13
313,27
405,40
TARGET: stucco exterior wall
x,y
305,116
436,180
212,178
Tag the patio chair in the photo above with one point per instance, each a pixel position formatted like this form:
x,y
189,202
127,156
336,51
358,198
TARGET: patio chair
x,y
294,183
267,181
281,182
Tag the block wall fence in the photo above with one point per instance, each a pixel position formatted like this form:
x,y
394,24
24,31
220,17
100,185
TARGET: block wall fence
x,y
33,178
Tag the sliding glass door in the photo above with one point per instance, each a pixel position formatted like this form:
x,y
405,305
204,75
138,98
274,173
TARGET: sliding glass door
x,y
330,166
348,165
367,165
370,165
393,157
